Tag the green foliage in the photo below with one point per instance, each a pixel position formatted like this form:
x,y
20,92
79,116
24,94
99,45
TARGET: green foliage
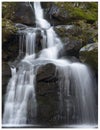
x,y
8,28
81,10
8,10
83,15
90,56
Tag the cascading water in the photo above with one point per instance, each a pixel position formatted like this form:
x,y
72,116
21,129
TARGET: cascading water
x,y
76,94
20,101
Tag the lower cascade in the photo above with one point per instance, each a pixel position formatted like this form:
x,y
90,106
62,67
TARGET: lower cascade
x,y
76,95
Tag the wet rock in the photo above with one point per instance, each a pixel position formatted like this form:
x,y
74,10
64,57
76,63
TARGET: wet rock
x,y
49,109
39,43
64,13
80,31
8,29
74,37
73,59
89,55
46,5
10,49
6,74
68,30
24,14
72,48
47,93
58,15
46,72
20,26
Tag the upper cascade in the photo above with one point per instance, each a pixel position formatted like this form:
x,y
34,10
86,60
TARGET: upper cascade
x,y
40,21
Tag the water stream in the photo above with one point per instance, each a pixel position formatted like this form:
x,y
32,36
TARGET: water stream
x,y
74,77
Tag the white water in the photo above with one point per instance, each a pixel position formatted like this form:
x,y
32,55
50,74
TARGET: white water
x,y
76,78
21,87
40,21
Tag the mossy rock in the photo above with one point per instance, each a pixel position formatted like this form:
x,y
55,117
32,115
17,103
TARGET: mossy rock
x,y
8,29
89,55
80,10
8,10
79,30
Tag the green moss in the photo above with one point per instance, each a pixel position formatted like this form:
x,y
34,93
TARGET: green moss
x,y
81,10
8,10
90,57
8,29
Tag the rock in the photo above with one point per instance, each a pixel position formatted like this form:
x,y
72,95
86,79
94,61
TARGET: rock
x,y
8,29
47,93
73,32
20,26
46,72
46,5
72,48
39,38
70,35
74,37
68,30
10,49
6,74
69,12
58,15
89,55
48,97
24,14
73,59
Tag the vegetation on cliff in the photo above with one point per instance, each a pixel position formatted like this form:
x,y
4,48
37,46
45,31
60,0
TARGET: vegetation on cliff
x,y
81,10
8,28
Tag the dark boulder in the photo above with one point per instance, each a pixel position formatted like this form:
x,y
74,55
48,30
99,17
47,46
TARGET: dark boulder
x,y
6,74
47,94
46,72
89,55
24,14
39,43
58,15
10,49
72,48
68,30
21,26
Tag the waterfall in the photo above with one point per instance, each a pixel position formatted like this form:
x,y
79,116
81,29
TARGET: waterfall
x,y
20,101
76,92
40,21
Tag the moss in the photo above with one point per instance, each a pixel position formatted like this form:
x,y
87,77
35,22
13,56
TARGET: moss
x,y
81,10
8,10
90,57
8,29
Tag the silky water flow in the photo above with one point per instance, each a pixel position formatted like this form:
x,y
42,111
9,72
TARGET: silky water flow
x,y
73,77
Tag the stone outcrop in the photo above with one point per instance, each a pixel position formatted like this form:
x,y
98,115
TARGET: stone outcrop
x,y
47,93
24,14
10,49
89,55
5,76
